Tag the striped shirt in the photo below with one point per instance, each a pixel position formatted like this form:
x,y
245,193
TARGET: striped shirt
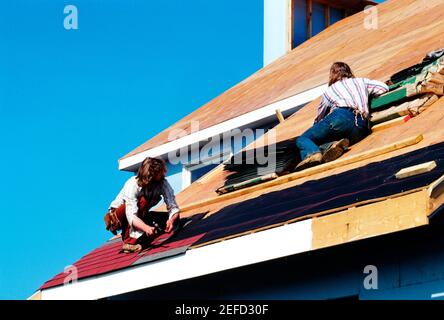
x,y
353,93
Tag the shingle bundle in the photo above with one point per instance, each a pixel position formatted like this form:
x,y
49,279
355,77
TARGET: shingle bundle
x,y
254,166
412,91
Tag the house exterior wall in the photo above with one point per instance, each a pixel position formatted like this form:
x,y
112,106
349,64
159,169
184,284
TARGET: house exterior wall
x,y
174,176
275,29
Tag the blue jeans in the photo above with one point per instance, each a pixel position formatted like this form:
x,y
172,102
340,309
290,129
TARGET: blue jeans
x,y
338,125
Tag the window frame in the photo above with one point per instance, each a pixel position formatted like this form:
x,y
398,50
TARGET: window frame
x,y
309,16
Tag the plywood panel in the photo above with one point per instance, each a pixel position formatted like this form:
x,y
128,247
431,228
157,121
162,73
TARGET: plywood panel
x,y
36,296
375,219
415,170
408,29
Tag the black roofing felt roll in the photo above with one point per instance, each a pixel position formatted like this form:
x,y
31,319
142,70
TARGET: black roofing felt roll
x,y
373,181
417,68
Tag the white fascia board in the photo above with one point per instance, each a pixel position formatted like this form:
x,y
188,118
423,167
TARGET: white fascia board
x,y
246,250
226,126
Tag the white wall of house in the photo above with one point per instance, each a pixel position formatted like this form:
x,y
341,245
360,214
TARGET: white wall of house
x,y
174,176
275,29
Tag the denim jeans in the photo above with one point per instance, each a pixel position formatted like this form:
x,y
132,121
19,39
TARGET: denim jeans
x,y
338,125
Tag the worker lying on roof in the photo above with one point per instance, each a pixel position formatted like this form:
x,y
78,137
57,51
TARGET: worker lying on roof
x,y
343,117
130,211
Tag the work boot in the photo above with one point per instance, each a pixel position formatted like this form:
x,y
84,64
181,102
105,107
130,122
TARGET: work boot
x,y
131,248
311,161
335,150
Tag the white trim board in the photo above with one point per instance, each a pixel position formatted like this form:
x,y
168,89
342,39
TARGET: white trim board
x,y
226,126
246,250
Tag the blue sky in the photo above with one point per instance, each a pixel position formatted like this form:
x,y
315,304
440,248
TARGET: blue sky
x,y
73,101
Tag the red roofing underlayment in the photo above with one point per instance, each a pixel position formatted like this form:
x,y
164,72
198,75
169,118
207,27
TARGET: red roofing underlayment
x,y
109,258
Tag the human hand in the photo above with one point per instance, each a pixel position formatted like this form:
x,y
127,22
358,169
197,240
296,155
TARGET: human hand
x,y
150,231
170,223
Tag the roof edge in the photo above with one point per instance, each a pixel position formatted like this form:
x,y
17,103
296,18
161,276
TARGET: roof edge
x,y
295,238
36,296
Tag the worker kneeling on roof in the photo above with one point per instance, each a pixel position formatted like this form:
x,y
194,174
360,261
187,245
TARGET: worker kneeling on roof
x,y
343,117
130,211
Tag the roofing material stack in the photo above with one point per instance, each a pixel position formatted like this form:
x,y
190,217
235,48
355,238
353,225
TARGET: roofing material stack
x,y
248,169
413,90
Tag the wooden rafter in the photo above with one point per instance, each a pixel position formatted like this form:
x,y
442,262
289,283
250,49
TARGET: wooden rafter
x,y
327,15
280,116
290,24
354,5
309,18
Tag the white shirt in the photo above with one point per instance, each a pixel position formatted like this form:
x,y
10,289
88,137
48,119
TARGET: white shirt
x,y
128,195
